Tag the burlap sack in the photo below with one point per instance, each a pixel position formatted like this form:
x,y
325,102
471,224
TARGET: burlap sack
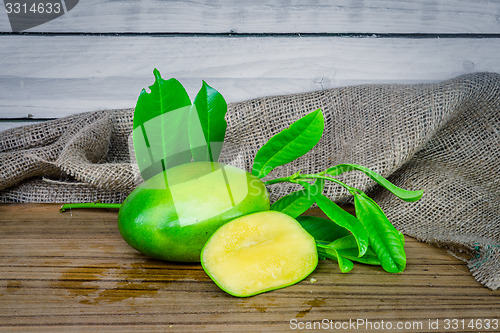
x,y
442,138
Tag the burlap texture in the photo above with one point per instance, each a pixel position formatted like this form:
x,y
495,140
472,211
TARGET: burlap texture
x,y
442,138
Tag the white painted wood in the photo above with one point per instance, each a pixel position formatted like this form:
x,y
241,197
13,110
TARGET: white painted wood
x,y
277,16
11,124
58,76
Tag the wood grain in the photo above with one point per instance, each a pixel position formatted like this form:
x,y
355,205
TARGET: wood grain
x,y
61,75
72,271
276,16
10,124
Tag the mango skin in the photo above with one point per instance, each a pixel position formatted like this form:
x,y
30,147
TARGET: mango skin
x,y
173,222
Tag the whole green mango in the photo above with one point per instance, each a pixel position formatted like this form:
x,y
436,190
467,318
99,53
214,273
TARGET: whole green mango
x,y
171,215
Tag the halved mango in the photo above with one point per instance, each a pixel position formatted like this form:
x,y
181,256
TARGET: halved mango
x,y
259,252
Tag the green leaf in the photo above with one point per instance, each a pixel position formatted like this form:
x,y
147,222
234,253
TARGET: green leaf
x,y
298,202
289,144
346,242
160,127
344,219
347,248
322,229
405,195
385,240
345,264
207,124
369,258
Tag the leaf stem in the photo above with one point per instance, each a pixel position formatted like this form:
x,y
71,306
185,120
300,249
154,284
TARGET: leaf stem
x,y
278,180
295,179
89,205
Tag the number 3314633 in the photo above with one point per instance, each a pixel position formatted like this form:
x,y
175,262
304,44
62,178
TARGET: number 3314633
x,y
475,324
33,8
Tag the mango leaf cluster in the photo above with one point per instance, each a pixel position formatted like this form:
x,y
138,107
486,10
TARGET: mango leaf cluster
x,y
169,130
368,236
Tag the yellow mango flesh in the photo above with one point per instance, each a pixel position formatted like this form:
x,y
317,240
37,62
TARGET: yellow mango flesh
x,y
259,252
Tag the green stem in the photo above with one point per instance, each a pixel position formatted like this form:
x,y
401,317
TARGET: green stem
x,y
89,205
295,178
278,180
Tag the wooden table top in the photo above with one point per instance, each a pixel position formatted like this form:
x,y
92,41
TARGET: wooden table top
x,y
72,271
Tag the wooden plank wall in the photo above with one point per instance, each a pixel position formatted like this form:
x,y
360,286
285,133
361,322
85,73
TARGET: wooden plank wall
x,y
102,53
